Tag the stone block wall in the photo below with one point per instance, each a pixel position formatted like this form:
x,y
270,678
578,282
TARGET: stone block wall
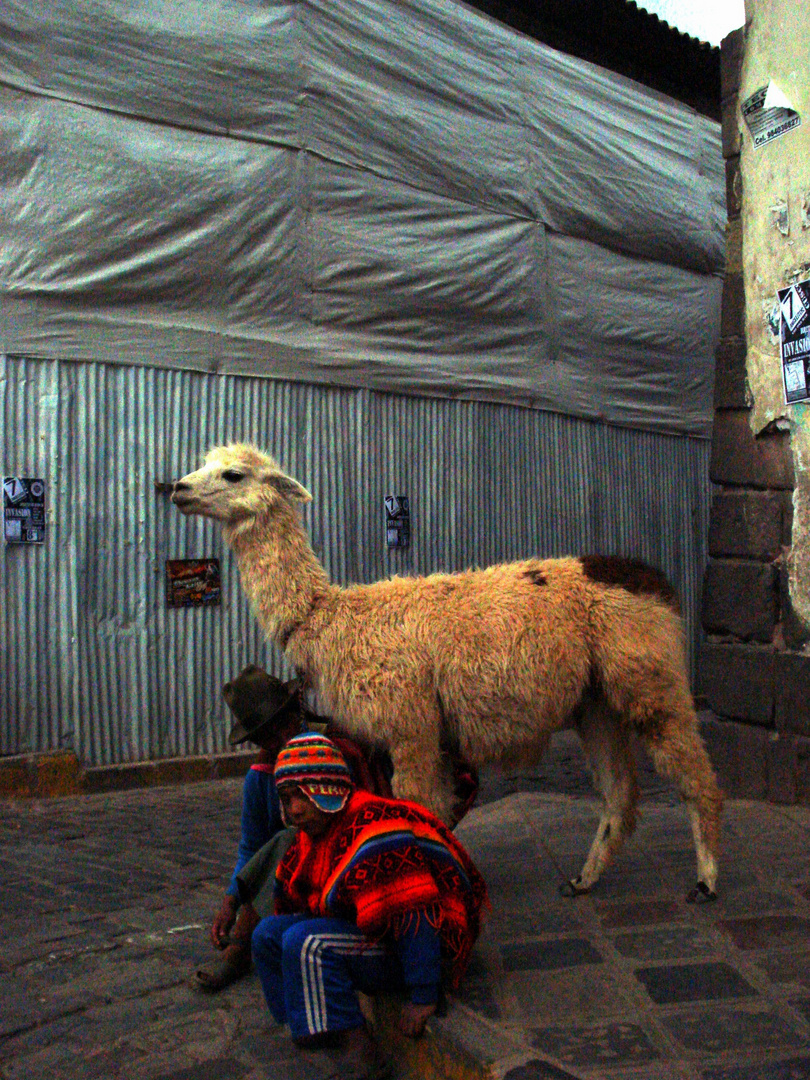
x,y
753,676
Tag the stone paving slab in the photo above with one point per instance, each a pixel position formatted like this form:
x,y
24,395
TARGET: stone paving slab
x,y
637,983
106,901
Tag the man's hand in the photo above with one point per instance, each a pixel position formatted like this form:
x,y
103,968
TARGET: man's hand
x,y
223,921
412,1018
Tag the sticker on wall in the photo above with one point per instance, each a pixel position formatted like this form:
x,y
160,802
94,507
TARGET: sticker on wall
x,y
192,583
768,114
397,521
23,510
794,340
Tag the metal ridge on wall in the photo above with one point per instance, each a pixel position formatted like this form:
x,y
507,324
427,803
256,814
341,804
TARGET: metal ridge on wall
x,y
92,659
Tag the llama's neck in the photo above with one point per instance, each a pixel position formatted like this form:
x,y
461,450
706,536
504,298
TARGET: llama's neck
x,y
280,573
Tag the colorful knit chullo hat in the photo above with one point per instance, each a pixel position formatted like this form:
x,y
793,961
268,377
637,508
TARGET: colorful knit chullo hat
x,y
315,764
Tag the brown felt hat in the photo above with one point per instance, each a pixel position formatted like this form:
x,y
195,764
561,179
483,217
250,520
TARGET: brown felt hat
x,y
257,699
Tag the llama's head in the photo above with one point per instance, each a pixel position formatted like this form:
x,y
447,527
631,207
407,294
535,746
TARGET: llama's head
x,y
236,484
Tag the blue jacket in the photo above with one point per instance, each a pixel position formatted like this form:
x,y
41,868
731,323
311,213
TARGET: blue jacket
x,y
261,817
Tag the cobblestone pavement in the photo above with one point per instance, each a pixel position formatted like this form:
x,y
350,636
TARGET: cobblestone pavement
x,y
106,901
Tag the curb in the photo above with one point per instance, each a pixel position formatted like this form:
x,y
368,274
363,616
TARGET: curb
x,y
462,1046
59,773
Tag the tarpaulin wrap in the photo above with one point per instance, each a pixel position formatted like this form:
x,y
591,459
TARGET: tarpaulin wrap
x,y
400,195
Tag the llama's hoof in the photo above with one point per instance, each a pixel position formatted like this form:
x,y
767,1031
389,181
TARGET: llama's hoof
x,y
573,888
701,894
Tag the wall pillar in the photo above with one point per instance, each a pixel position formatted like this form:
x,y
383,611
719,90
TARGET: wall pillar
x,y
754,671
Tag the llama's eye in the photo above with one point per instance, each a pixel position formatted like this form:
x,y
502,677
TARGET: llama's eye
x,y
231,476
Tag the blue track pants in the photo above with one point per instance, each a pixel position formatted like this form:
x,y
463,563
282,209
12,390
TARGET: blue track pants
x,y
311,968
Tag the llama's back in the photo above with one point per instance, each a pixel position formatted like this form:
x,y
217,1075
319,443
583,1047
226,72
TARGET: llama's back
x,y
547,637
503,652
503,655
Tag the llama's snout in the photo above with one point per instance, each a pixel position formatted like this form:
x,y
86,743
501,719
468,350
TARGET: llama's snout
x,y
181,493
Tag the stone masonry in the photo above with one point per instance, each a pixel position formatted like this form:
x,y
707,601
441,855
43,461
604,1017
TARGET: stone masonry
x,y
754,676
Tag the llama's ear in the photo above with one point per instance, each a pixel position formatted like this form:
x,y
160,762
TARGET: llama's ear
x,y
286,486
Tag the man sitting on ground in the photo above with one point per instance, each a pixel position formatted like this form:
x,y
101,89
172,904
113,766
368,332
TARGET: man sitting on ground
x,y
373,894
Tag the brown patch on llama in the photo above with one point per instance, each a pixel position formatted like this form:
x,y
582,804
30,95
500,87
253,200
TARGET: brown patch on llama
x,y
637,577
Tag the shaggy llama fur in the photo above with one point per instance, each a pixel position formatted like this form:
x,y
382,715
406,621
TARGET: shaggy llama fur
x,y
489,661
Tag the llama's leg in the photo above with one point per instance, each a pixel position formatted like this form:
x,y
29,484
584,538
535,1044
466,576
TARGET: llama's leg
x,y
607,749
420,775
643,676
677,751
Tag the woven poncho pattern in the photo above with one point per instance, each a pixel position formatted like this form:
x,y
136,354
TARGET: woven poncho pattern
x,y
382,863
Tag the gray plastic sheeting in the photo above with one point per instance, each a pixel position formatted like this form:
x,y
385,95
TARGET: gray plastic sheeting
x,y
399,196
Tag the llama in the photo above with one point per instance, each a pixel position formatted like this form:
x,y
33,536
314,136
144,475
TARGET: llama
x,y
489,661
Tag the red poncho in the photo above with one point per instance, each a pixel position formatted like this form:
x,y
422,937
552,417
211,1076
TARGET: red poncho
x,y
381,861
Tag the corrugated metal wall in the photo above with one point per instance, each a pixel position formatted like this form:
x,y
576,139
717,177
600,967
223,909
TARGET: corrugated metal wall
x,y
90,656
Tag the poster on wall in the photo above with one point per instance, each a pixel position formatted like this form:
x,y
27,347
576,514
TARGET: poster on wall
x,y
397,521
192,583
768,114
23,510
794,340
